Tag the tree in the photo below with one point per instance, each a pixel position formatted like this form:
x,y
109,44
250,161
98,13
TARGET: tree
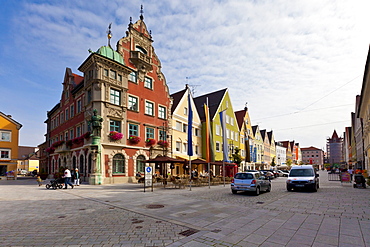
x,y
289,163
273,164
237,159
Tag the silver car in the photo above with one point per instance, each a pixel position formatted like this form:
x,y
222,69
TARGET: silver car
x,y
251,182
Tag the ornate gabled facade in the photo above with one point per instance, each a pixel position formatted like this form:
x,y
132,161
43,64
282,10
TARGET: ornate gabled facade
x,y
126,88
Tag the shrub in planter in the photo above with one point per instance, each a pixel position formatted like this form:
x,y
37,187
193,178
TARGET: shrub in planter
x,y
150,142
163,144
115,136
134,139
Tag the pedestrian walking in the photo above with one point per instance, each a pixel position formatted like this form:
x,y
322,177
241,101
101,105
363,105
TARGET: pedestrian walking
x,y
77,177
39,180
67,178
350,171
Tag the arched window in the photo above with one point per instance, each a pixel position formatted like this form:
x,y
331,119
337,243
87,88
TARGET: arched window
x,y
53,167
118,163
140,164
74,163
89,164
140,49
82,165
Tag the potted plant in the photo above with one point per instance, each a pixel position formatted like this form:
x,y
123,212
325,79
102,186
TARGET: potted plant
x,y
134,139
115,136
150,142
163,144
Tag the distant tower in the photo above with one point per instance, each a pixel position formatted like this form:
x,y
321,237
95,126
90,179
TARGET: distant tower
x,y
334,149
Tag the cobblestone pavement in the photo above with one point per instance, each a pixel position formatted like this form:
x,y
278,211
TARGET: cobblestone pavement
x,y
123,215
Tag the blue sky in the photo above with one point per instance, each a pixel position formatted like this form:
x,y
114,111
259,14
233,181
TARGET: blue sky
x,y
298,64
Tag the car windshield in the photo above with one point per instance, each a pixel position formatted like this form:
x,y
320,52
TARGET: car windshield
x,y
301,173
243,176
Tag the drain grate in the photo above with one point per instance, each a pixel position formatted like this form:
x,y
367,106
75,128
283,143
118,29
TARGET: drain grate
x,y
138,227
152,206
260,202
82,209
62,216
189,232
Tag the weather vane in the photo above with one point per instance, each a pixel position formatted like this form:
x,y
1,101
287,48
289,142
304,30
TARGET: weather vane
x,y
109,32
141,13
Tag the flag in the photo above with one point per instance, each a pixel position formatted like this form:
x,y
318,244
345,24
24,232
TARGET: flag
x,y
190,127
206,113
224,138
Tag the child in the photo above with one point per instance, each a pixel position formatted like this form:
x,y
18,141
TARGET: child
x,y
39,180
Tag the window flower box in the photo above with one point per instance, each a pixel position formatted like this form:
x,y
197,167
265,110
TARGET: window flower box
x,y
134,139
163,144
150,142
115,136
50,150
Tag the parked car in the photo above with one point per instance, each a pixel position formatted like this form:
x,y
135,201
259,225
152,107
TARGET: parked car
x,y
269,174
251,182
303,177
283,173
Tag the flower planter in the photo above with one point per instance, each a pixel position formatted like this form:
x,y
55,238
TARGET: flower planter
x,y
134,139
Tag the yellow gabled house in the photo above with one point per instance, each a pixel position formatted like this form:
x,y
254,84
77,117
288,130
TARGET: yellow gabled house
x,y
180,113
9,137
246,139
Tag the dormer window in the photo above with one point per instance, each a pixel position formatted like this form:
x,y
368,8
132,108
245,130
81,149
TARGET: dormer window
x,y
141,49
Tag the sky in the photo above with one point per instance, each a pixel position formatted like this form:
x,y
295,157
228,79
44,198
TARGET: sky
x,y
297,64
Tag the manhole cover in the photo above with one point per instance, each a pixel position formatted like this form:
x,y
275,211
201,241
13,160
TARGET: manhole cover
x,y
260,202
61,216
82,208
112,208
216,230
155,206
138,227
188,232
137,221
158,221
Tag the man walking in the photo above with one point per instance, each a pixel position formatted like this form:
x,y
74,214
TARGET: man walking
x,y
67,178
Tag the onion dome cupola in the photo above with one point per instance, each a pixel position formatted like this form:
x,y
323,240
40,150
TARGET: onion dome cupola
x,y
108,52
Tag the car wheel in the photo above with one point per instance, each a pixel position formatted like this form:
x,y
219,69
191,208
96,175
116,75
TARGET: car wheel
x,y
268,188
47,186
288,188
234,191
315,188
257,191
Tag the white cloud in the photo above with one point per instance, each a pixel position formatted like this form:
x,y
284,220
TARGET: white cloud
x,y
279,56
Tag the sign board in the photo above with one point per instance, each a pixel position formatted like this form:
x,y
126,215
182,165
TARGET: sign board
x,y
345,177
148,182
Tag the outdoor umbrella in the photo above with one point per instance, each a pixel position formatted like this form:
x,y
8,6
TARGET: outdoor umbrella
x,y
164,159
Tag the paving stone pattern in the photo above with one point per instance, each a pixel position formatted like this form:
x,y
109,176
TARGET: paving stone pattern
x,y
123,215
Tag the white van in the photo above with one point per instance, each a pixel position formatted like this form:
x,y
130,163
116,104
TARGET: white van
x,y
302,177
